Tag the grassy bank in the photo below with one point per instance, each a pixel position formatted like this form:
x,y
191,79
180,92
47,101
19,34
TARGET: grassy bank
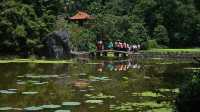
x,y
35,61
192,50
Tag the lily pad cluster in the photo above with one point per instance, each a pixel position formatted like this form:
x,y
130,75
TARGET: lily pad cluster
x,y
40,76
99,96
29,93
93,78
147,94
139,106
169,90
8,91
94,101
9,108
50,106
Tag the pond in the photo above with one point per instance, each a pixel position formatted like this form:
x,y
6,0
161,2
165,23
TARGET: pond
x,y
92,86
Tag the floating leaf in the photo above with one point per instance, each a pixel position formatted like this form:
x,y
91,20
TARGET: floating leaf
x,y
40,83
94,101
21,83
18,109
33,108
20,76
192,68
5,108
41,76
12,89
29,93
147,94
71,103
7,92
50,106
83,74
63,111
99,96
92,78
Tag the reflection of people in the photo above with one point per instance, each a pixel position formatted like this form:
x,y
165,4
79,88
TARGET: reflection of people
x,y
100,67
118,66
110,67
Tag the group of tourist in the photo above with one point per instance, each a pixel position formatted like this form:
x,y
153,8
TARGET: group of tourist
x,y
118,45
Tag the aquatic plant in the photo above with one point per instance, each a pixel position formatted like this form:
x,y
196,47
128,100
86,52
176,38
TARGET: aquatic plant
x,y
41,76
93,78
29,93
99,96
33,108
5,108
94,101
7,92
147,94
71,103
63,111
50,106
138,106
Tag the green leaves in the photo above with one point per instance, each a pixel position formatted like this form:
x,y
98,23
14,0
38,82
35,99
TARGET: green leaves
x,y
22,27
20,31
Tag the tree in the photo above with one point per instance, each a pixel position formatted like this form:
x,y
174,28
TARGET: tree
x,y
161,35
21,27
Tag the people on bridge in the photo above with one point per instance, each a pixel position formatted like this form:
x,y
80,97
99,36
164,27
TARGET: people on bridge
x,y
118,45
100,45
110,45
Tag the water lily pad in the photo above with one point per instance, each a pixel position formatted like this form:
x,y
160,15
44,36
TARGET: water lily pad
x,y
7,92
71,103
5,108
29,93
40,83
21,83
94,101
192,68
33,108
33,81
163,110
12,89
63,111
50,106
41,76
94,63
83,74
18,109
92,78
20,76
147,94
99,96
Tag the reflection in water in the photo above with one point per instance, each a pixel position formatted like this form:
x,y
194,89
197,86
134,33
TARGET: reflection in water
x,y
118,84
117,65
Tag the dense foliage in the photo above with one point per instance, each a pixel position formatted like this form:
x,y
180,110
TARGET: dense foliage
x,y
24,22
189,99
172,23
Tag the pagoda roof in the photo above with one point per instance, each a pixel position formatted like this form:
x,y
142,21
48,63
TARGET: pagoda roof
x,y
80,15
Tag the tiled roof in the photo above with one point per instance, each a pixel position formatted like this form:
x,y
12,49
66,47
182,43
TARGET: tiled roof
x,y
81,16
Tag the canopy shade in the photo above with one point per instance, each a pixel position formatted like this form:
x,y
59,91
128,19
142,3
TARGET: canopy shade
x,y
81,16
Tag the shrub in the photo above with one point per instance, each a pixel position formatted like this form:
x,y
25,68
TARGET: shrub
x,y
150,44
188,99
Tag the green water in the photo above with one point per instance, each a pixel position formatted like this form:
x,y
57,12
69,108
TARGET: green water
x,y
92,86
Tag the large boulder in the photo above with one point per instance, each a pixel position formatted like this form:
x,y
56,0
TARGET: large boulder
x,y
56,45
